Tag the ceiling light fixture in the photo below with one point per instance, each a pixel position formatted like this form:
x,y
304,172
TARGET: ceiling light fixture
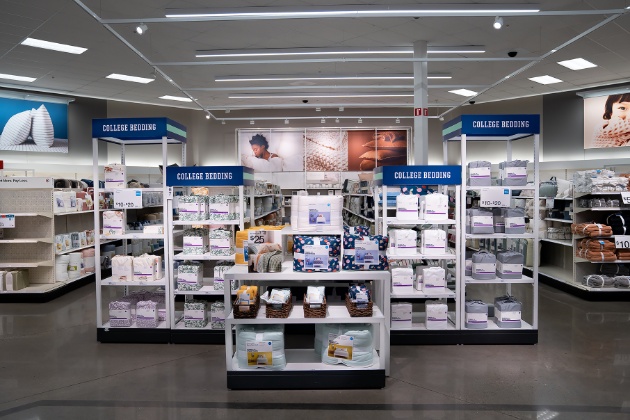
x,y
337,120
207,115
176,98
397,120
318,109
141,29
251,122
18,78
284,52
323,121
127,78
286,121
545,80
360,121
577,64
366,95
341,109
223,122
54,46
463,92
278,78
255,13
498,22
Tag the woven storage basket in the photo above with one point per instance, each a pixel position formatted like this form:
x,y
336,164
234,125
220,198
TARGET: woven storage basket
x,y
251,313
314,312
358,312
284,312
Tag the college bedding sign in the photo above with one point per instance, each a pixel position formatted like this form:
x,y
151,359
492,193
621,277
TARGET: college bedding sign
x,y
208,176
491,126
139,129
418,175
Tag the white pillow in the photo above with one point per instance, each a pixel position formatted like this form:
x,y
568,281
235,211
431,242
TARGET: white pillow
x,y
17,129
43,131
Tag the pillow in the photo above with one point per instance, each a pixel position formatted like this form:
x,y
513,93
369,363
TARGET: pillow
x,y
43,131
367,165
17,129
382,154
380,144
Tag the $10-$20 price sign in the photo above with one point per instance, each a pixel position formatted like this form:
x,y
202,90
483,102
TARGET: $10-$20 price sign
x,y
128,198
495,197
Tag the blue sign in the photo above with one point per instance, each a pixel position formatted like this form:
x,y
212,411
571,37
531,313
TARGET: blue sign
x,y
33,126
491,126
418,175
208,176
138,129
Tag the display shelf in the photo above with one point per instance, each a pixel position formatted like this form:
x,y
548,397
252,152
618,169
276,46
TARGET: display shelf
x,y
418,323
419,256
70,213
46,288
357,195
161,325
181,325
556,273
239,272
396,221
418,294
205,290
43,214
134,236
26,241
559,198
266,214
500,236
267,195
525,279
602,193
203,257
111,190
290,231
565,242
492,325
359,215
501,187
307,360
583,209
110,282
336,314
206,222
68,251
551,219
26,264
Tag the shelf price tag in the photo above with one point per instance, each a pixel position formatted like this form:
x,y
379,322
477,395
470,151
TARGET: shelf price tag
x,y
622,241
128,198
257,237
495,197
7,221
625,197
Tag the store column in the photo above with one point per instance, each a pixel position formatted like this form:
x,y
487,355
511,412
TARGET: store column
x,y
421,105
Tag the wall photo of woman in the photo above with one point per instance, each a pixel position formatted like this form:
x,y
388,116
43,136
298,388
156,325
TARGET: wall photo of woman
x,y
614,130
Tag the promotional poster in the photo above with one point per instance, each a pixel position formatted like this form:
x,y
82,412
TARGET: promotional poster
x,y
607,121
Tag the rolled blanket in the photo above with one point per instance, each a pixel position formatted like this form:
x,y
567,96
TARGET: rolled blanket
x,y
591,229
622,282
601,256
595,280
599,245
614,270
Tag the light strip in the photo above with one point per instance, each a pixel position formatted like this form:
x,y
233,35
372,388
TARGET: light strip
x,y
47,45
176,98
355,12
127,78
366,95
463,92
272,78
18,78
462,49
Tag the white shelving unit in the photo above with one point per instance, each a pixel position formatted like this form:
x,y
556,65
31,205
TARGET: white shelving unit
x,y
146,133
364,204
499,129
226,180
304,369
387,178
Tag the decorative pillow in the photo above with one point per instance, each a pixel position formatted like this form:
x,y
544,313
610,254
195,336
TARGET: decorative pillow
x,y
43,130
17,129
367,165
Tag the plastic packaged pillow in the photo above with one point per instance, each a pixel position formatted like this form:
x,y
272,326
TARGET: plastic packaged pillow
x,y
362,354
261,333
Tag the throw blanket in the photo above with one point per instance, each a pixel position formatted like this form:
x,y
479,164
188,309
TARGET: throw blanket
x,y
601,256
599,245
614,133
591,229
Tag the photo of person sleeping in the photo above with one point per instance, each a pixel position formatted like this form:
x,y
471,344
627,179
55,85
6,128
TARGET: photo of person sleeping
x,y
613,130
272,151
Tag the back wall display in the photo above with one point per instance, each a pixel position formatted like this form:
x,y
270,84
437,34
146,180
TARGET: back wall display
x,y
272,150
33,126
322,150
607,121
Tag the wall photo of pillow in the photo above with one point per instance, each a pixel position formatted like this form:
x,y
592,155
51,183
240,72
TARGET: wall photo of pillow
x,y
368,149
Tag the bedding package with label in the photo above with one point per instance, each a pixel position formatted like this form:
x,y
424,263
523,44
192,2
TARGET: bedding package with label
x,y
365,252
260,347
316,253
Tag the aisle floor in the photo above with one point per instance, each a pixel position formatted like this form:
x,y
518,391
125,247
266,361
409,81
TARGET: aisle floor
x,y
52,367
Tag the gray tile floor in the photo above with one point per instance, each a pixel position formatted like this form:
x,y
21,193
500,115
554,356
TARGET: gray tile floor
x,y
52,367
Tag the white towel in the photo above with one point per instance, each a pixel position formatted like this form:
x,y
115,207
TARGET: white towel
x,y
433,242
122,268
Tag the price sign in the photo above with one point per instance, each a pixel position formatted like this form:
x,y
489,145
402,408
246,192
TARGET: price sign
x,y
495,197
625,198
7,221
128,199
622,241
257,237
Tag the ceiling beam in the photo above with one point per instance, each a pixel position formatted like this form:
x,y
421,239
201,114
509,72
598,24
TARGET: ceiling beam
x,y
343,60
335,88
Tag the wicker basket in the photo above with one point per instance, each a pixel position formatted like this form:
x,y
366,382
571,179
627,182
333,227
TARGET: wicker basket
x,y
358,312
314,312
284,312
251,313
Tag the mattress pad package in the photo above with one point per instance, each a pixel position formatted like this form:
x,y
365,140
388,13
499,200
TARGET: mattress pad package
x,y
479,173
484,265
476,314
348,344
260,347
510,265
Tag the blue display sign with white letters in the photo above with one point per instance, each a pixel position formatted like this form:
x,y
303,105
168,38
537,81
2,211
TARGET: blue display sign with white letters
x,y
491,126
138,129
418,175
208,176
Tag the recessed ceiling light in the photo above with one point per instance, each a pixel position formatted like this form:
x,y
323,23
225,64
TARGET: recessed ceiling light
x,y
176,98
463,92
367,95
47,45
577,64
18,78
545,80
127,78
